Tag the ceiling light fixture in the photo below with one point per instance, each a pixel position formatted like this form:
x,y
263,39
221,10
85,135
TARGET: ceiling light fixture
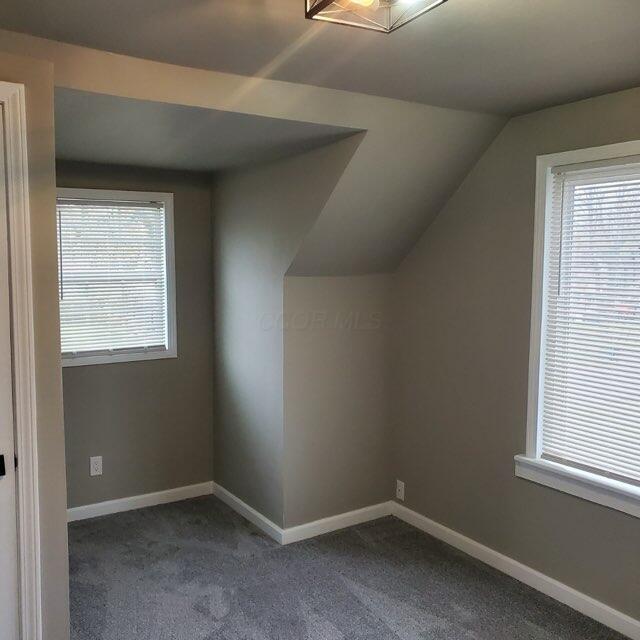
x,y
378,15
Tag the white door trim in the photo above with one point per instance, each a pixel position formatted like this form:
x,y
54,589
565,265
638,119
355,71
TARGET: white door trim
x,y
12,101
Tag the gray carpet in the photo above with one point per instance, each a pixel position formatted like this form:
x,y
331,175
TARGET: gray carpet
x,y
195,570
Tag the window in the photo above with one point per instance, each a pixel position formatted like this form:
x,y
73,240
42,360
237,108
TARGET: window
x,y
116,276
584,387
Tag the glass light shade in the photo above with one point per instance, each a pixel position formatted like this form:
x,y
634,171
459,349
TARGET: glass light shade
x,y
378,15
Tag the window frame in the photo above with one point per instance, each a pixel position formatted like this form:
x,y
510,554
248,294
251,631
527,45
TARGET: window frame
x,y
600,489
134,354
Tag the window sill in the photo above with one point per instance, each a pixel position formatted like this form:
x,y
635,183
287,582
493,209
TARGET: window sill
x,y
124,356
583,484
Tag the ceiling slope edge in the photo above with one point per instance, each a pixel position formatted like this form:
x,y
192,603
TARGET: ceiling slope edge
x,y
398,180
410,161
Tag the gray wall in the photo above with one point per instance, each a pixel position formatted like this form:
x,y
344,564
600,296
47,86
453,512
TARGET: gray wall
x,y
151,420
336,367
37,76
462,304
261,215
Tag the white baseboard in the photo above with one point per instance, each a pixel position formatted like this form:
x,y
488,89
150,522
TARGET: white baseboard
x,y
559,591
263,523
137,502
577,600
334,523
303,531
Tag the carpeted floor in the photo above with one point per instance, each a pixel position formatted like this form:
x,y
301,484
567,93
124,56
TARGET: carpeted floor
x,y
195,570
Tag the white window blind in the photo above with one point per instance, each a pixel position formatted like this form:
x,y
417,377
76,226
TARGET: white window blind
x,y
589,406
113,277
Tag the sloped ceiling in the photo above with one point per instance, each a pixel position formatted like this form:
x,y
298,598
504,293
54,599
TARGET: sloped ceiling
x,y
410,159
500,56
405,169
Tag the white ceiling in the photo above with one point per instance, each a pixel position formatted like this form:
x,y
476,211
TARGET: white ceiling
x,y
98,128
502,56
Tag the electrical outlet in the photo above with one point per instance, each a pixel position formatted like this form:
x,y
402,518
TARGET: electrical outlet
x,y
95,465
400,490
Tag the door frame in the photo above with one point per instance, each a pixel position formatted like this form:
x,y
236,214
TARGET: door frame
x,y
13,104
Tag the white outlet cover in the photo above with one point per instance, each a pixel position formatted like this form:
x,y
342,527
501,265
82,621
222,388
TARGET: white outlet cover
x,y
95,465
399,490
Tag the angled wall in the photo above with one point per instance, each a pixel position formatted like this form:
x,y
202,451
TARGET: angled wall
x,y
461,341
407,167
260,217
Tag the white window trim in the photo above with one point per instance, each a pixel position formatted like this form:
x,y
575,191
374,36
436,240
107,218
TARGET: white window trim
x,y
531,466
133,355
